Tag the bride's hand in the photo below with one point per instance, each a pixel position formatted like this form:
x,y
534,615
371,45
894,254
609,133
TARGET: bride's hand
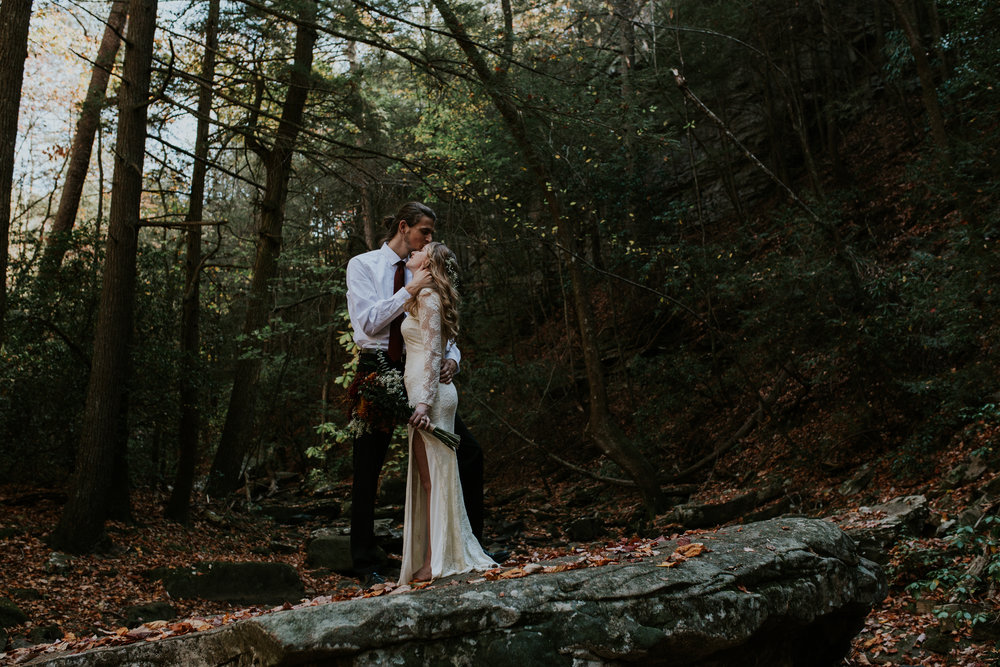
x,y
421,416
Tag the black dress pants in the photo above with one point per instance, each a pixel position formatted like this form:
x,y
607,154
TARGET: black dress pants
x,y
470,471
369,456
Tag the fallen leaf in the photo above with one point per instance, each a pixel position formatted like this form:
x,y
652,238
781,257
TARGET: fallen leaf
x,y
691,550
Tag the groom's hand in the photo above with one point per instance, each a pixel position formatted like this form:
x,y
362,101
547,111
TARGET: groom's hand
x,y
421,279
448,369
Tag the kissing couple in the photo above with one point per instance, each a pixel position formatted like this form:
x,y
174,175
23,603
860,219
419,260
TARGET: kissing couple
x,y
403,305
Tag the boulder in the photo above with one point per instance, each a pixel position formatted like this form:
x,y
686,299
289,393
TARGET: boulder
x,y
45,633
282,547
11,614
26,593
238,583
954,477
878,527
330,547
297,513
59,563
703,515
780,507
986,503
779,593
585,529
330,551
859,482
138,614
392,490
391,539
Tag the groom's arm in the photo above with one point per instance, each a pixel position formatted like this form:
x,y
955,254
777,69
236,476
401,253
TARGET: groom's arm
x,y
368,312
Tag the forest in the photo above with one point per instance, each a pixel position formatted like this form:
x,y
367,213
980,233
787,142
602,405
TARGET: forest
x,y
708,249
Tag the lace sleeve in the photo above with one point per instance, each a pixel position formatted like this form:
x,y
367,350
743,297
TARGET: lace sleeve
x,y
430,329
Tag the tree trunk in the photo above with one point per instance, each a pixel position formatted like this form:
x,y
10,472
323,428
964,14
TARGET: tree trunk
x,y
928,90
119,502
827,48
626,10
798,108
368,220
15,17
235,440
602,427
178,507
57,240
359,178
82,523
937,34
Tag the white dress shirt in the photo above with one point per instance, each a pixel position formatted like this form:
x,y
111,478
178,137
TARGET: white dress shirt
x,y
372,303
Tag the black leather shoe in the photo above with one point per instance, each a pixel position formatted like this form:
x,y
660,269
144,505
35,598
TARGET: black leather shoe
x,y
371,579
500,556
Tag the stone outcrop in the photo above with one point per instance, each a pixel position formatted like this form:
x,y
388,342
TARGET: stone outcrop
x,y
239,583
779,592
330,548
971,515
293,514
877,528
330,551
704,515
138,614
10,615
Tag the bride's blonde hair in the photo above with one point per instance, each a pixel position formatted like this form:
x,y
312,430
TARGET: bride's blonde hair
x,y
443,267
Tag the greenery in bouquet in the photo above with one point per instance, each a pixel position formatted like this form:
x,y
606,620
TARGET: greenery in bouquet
x,y
377,401
446,437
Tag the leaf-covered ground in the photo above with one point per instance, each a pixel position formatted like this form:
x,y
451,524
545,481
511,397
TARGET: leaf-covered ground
x,y
79,603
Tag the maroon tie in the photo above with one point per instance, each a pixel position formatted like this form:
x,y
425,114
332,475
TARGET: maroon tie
x,y
395,335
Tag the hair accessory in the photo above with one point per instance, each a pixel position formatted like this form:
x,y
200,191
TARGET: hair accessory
x,y
451,268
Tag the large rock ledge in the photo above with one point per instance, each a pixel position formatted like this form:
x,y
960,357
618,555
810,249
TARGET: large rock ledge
x,y
779,592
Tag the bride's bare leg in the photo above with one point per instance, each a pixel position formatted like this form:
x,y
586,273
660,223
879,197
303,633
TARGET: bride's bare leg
x,y
423,470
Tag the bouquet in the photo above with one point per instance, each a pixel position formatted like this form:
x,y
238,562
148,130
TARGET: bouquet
x,y
377,401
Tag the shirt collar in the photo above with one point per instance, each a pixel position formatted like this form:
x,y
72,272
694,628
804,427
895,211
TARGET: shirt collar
x,y
389,254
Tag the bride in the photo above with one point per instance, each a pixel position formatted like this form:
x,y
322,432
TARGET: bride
x,y
437,536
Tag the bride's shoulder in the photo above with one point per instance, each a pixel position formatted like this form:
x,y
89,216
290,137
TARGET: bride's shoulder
x,y
429,299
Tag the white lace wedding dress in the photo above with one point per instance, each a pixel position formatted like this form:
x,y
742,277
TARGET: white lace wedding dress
x,y
454,549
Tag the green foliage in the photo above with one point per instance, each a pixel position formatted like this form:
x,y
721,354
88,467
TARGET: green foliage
x,y
334,435
44,366
970,575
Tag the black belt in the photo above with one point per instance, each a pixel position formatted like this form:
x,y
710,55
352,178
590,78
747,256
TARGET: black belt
x,y
376,354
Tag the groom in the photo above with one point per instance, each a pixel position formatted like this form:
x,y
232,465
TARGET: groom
x,y
378,286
